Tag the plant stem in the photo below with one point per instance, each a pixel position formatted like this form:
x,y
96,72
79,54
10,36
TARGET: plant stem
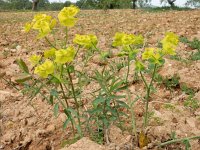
x,y
148,88
50,43
63,105
66,37
128,69
65,97
179,140
133,121
74,95
10,83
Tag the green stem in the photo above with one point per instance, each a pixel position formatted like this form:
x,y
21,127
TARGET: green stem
x,y
50,43
179,140
65,97
128,69
74,95
10,83
147,95
133,122
66,37
63,105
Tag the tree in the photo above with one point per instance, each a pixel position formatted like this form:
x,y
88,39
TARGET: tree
x,y
35,4
67,3
195,3
170,2
134,4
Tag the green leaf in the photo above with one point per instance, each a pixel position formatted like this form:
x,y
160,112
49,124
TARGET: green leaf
x,y
66,123
97,101
71,68
187,144
23,78
93,111
72,111
22,65
55,109
53,92
116,86
123,104
51,99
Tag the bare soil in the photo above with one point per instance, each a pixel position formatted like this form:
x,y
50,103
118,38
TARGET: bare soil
x,y
32,126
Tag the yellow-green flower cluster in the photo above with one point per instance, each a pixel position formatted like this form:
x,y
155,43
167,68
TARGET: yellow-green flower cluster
x,y
169,43
67,16
65,55
50,53
122,39
42,23
52,59
35,59
45,69
86,41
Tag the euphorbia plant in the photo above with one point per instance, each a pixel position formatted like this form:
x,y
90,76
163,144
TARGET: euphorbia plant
x,y
55,66
146,62
55,69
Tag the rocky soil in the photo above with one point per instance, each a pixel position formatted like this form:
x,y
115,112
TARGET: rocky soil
x,y
31,125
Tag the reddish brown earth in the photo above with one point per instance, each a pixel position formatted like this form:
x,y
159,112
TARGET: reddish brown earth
x,y
32,125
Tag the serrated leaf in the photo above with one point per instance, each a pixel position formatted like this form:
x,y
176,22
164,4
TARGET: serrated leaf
x,y
123,104
51,99
22,65
55,109
53,92
23,78
97,101
66,123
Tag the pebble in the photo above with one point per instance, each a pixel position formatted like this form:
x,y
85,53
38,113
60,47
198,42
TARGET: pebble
x,y
50,128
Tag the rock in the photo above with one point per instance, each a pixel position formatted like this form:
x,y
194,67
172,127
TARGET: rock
x,y
170,68
41,133
115,135
8,138
84,144
98,60
197,96
13,50
191,122
51,128
26,141
62,117
31,121
18,47
12,70
190,78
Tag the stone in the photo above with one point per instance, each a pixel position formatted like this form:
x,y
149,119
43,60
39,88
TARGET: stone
x,y
41,133
115,135
170,68
84,144
32,121
191,122
50,128
8,137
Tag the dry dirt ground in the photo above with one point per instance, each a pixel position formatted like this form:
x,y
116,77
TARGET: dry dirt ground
x,y
33,126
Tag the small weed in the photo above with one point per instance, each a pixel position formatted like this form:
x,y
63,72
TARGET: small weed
x,y
195,56
172,83
188,91
158,120
169,106
194,44
191,103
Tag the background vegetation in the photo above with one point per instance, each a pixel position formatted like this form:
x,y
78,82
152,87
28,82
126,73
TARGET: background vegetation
x,y
6,5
